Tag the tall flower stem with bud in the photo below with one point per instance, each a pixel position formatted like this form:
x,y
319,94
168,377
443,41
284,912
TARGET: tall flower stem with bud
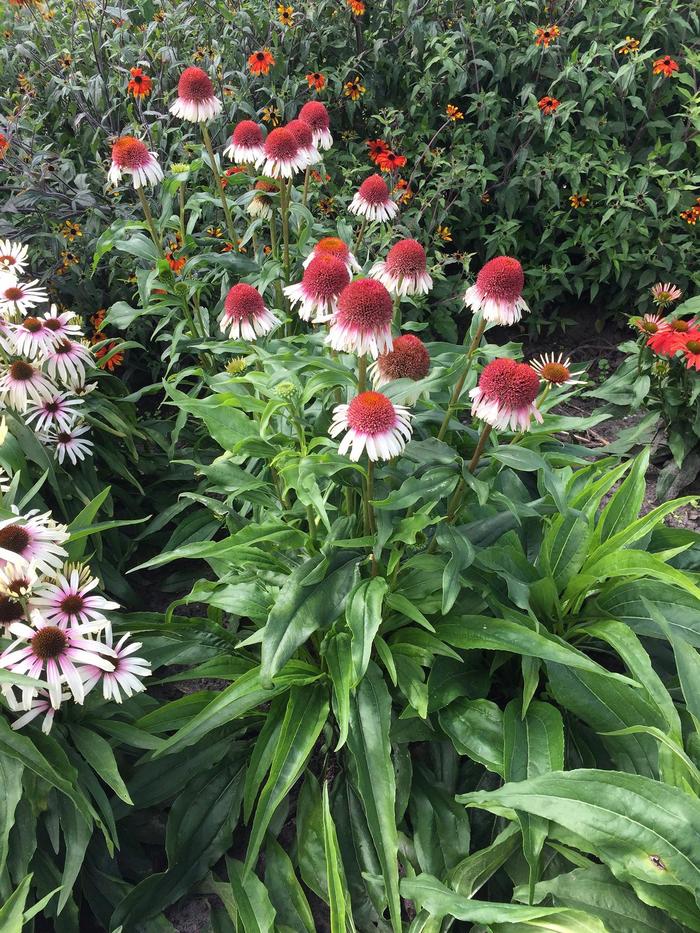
x,y
219,184
150,222
459,385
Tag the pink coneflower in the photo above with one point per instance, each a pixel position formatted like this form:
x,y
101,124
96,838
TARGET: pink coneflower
x,y
373,201
316,116
13,256
247,142
44,646
555,370
665,293
63,324
196,100
497,294
32,539
19,296
56,411
67,361
17,580
373,423
69,442
21,382
132,157
127,674
362,323
38,705
505,395
304,136
245,314
647,324
408,359
282,156
31,337
404,270
334,246
70,600
317,294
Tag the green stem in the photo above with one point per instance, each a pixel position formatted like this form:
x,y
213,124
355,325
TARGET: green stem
x,y
397,311
361,374
360,235
307,175
274,244
459,385
181,198
285,193
150,222
478,451
222,195
369,495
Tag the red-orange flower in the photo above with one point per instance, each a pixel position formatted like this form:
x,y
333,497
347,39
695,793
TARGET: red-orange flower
x,y
114,361
4,145
691,352
140,84
665,66
377,148
316,80
545,35
390,161
357,7
261,62
672,336
177,265
548,105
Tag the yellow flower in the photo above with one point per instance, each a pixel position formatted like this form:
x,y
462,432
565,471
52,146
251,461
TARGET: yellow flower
x,y
70,230
271,115
454,113
215,232
578,200
631,46
444,233
285,14
354,89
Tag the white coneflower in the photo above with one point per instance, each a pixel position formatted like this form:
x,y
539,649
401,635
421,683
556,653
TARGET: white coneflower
x,y
67,361
317,293
22,382
247,142
555,370
404,271
13,256
505,396
32,539
69,442
56,411
19,296
362,322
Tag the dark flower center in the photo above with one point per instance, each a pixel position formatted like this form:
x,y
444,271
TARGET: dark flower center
x,y
33,325
10,610
64,347
13,293
53,324
73,604
693,346
14,538
64,437
49,643
21,371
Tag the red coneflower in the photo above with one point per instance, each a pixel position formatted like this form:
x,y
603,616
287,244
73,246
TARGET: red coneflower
x,y
140,84
281,156
324,279
316,80
302,132
545,35
316,116
373,201
334,246
404,271
260,62
114,361
377,148
672,336
362,323
196,100
497,293
373,423
691,352
357,7
505,396
390,161
245,315
665,66
548,105
247,142
409,359
132,157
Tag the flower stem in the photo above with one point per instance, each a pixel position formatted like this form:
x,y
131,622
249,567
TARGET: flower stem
x,y
150,222
224,203
397,311
478,451
181,198
369,495
360,235
361,373
459,385
285,193
307,175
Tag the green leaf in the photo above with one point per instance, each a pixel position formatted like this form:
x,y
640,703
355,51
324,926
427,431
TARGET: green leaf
x,y
285,891
565,547
255,910
99,755
474,871
625,503
475,728
627,601
642,829
305,717
455,543
77,832
373,776
12,911
338,894
337,650
11,771
364,616
309,600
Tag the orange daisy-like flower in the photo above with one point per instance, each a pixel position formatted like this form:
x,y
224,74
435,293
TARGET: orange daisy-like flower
x,y
665,66
578,200
140,84
390,161
631,46
691,352
402,189
377,148
545,35
357,7
114,361
691,216
4,145
316,80
548,105
177,265
454,113
354,89
261,62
